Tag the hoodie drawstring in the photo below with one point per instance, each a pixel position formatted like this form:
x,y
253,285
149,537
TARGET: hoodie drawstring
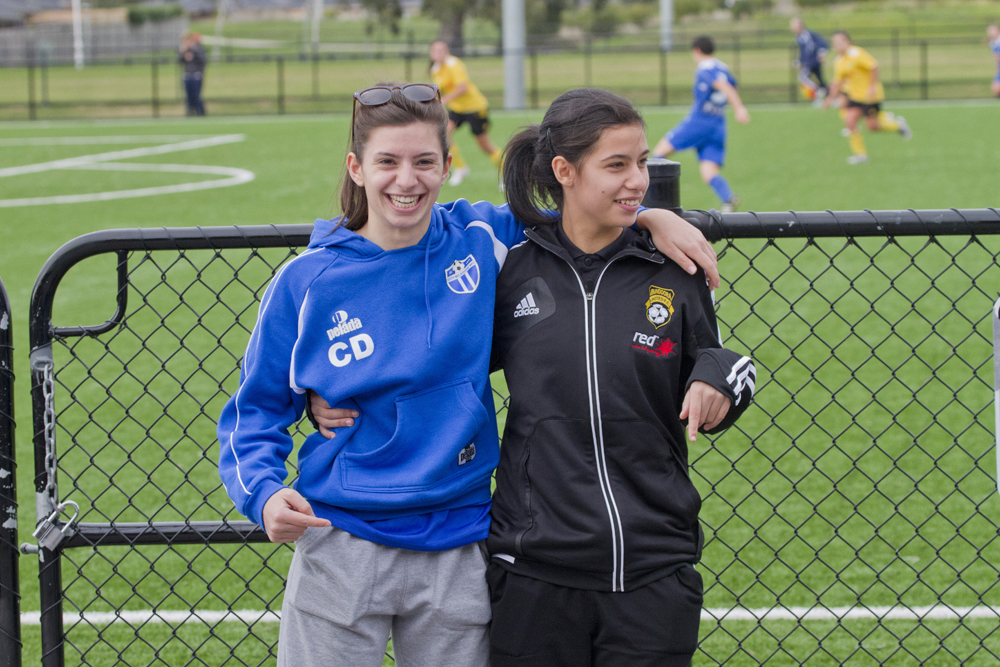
x,y
427,296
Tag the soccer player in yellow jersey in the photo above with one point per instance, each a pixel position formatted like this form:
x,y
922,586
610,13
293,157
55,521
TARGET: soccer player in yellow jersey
x,y
855,75
465,104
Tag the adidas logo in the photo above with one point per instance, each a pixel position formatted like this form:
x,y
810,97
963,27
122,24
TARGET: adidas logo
x,y
526,307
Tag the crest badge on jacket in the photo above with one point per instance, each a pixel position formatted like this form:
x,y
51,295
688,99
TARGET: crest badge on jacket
x,y
660,307
463,275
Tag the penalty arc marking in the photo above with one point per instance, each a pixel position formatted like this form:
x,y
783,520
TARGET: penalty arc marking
x,y
108,162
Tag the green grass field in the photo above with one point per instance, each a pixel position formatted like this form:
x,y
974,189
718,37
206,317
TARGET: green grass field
x,y
803,503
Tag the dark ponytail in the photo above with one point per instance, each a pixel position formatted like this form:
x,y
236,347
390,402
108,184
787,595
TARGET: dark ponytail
x,y
572,126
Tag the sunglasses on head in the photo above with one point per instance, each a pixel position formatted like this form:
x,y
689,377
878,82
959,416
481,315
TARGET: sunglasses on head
x,y
379,95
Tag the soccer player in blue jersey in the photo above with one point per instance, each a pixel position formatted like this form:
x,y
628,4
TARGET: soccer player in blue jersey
x,y
993,32
812,50
704,128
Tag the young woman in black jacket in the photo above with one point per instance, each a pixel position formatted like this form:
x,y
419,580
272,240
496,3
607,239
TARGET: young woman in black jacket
x,y
607,349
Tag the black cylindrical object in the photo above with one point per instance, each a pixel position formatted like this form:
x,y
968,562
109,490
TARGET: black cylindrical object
x,y
664,185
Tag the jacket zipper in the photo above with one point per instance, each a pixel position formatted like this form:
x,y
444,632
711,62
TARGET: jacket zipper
x,y
596,426
597,432
618,577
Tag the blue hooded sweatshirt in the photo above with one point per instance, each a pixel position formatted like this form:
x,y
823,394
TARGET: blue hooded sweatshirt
x,y
403,337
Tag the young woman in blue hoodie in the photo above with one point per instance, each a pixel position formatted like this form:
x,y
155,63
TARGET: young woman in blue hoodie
x,y
388,315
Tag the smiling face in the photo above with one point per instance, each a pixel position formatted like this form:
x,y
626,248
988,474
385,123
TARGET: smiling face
x,y
602,194
402,171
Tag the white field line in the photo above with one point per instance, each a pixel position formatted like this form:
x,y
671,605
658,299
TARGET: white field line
x,y
103,162
160,123
70,162
897,613
100,140
236,177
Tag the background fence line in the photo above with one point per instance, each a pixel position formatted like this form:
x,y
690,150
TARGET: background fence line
x,y
850,515
941,67
49,42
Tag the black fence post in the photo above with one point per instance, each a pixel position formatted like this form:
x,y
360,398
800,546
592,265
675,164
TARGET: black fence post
x,y
45,78
664,189
895,57
50,597
32,111
10,592
315,74
154,75
793,79
736,55
588,56
663,77
409,54
281,85
923,71
43,418
534,78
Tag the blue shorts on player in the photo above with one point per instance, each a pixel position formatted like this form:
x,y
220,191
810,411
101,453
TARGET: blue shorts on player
x,y
707,137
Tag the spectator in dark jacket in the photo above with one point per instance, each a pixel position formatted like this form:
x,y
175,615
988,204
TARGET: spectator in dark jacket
x,y
192,56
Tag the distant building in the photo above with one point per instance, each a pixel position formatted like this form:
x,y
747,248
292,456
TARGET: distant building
x,y
16,12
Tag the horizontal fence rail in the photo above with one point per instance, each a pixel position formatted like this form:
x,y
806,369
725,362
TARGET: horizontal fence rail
x,y
850,516
941,67
10,593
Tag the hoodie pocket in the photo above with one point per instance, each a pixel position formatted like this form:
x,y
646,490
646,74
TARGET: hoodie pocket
x,y
433,442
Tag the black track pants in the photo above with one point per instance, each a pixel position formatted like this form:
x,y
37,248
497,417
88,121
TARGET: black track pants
x,y
537,624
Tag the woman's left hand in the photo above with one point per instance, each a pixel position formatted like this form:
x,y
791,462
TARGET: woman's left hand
x,y
682,242
704,405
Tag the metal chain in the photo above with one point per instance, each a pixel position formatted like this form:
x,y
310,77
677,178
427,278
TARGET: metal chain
x,y
49,424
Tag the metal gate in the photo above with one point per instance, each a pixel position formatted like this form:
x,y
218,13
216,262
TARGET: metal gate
x,y
850,515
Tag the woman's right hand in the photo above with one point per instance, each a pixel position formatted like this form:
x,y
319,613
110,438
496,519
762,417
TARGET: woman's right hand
x,y
328,418
287,515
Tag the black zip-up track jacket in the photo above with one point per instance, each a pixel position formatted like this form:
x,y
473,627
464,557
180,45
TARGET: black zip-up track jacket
x,y
593,489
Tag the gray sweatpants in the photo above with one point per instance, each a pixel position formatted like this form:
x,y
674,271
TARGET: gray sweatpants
x,y
345,594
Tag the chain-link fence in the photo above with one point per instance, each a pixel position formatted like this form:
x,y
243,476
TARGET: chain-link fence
x,y
851,515
10,595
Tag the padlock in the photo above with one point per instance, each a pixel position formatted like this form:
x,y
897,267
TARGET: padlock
x,y
49,534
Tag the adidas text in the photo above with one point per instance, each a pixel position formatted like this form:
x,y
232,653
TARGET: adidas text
x,y
526,307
